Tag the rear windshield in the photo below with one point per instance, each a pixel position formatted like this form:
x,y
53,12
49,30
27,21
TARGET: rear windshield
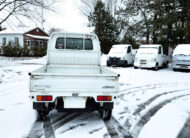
x,y
74,43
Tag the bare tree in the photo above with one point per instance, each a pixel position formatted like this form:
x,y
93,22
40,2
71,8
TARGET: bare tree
x,y
87,7
24,8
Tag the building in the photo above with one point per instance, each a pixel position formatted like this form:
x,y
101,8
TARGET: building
x,y
23,36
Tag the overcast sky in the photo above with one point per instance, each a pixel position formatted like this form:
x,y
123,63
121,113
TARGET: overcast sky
x,y
68,18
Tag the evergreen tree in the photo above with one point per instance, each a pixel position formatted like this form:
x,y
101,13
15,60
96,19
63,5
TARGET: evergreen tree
x,y
104,26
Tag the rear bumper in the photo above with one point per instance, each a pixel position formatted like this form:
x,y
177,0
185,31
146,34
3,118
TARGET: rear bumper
x,y
91,105
55,95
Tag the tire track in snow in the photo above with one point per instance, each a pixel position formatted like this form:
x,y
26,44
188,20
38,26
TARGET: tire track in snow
x,y
47,128
115,130
146,117
149,101
65,120
37,130
185,133
144,87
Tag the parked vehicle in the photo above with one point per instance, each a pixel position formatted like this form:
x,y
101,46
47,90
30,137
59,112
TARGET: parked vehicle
x,y
151,56
73,78
181,57
121,55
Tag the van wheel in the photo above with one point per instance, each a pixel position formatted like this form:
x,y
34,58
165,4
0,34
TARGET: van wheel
x,y
156,67
174,69
135,67
107,114
125,64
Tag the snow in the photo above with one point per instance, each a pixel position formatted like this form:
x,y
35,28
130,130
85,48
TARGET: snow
x,y
37,36
137,87
182,49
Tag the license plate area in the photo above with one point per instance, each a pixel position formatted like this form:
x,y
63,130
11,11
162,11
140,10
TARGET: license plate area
x,y
74,102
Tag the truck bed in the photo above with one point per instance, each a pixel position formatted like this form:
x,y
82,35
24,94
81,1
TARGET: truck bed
x,y
66,80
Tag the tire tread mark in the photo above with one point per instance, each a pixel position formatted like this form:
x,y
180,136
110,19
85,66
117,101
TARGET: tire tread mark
x,y
36,131
48,130
65,120
146,117
149,101
115,130
185,133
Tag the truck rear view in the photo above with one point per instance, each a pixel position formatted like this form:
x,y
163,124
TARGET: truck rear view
x,y
73,79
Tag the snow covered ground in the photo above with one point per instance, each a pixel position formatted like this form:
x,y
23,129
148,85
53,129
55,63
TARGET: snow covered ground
x,y
151,104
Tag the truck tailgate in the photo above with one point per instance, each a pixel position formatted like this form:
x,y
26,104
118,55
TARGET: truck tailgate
x,y
74,83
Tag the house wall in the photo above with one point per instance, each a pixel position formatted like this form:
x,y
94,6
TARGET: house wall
x,y
11,37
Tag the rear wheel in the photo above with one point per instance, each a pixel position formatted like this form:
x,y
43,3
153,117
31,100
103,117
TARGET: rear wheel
x,y
135,67
174,69
42,115
125,64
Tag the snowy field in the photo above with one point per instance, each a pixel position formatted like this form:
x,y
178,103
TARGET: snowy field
x,y
151,104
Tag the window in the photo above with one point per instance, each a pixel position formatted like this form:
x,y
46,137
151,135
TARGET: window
x,y
28,43
41,43
37,43
45,43
4,40
129,49
74,43
32,43
160,50
16,41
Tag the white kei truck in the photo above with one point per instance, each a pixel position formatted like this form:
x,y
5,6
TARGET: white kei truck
x,y
181,57
151,56
121,55
73,79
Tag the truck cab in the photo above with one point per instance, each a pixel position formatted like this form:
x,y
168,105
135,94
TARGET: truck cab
x,y
73,79
150,56
181,57
120,55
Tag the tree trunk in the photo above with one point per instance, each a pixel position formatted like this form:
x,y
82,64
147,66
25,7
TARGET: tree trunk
x,y
188,22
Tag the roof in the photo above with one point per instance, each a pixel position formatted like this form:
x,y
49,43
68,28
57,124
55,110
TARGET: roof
x,y
37,36
121,45
15,30
150,45
19,30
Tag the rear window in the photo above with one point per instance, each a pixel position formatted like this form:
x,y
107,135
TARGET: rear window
x,y
74,43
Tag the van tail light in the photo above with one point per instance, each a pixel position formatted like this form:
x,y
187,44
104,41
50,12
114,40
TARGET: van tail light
x,y
104,98
44,98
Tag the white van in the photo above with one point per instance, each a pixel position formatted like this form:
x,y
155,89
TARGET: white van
x,y
181,57
151,56
121,55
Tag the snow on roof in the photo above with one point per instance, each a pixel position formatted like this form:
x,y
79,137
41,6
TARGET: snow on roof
x,y
15,30
121,46
37,36
150,45
182,49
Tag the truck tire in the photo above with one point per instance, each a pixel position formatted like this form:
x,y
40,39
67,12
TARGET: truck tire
x,y
42,115
174,69
107,114
156,67
125,64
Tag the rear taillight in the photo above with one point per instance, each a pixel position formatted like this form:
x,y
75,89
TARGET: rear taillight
x,y
44,98
104,98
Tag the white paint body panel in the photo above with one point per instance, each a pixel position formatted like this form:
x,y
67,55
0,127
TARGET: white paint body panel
x,y
149,60
73,73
